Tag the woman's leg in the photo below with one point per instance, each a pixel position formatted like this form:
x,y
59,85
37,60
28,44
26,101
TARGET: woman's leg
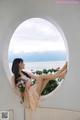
x,y
63,74
42,80
43,85
40,85
55,75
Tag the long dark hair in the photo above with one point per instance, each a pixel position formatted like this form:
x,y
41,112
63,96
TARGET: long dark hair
x,y
15,69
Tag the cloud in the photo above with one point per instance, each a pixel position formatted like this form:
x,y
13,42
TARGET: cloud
x,y
36,35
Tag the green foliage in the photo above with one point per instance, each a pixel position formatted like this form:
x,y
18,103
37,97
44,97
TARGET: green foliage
x,y
51,85
45,71
22,89
38,72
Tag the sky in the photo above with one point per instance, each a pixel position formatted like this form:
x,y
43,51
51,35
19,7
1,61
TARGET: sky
x,y
36,35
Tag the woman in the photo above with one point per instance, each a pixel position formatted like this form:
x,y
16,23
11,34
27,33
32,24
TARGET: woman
x,y
32,92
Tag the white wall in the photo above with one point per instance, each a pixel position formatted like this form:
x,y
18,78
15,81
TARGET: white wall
x,y
52,114
12,13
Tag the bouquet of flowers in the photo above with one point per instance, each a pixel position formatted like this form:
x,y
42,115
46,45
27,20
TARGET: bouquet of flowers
x,y
21,85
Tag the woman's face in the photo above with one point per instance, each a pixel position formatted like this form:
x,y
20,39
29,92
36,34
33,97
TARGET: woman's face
x,y
21,65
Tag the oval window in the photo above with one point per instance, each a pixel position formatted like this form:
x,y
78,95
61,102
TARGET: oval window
x,y
43,48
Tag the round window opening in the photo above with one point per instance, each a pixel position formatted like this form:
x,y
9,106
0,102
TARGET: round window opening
x,y
43,48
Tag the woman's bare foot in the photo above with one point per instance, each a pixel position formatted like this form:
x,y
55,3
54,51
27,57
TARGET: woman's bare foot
x,y
63,74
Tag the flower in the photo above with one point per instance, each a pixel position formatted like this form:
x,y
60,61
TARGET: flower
x,y
21,85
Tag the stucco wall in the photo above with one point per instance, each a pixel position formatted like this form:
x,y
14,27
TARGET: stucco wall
x,y
67,16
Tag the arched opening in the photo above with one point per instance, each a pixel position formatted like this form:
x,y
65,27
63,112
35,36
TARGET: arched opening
x,y
42,46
